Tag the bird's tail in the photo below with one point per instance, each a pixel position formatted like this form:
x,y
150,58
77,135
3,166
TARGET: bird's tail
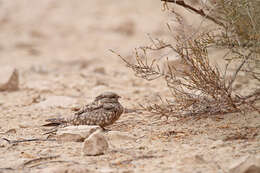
x,y
55,122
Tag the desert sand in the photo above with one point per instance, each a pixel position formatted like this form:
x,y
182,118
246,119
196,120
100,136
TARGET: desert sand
x,y
61,51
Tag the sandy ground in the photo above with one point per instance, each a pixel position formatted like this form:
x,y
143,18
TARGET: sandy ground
x,y
61,49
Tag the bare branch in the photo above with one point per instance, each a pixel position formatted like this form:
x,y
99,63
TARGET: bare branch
x,y
238,69
200,12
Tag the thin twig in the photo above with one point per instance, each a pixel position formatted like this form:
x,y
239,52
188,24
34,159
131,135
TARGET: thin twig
x,y
33,161
26,140
238,70
53,161
200,12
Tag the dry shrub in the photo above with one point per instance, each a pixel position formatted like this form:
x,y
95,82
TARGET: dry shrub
x,y
204,89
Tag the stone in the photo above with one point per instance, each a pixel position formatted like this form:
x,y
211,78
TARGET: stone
x,y
24,125
95,144
11,131
9,79
3,143
76,133
100,82
249,164
118,139
56,101
216,144
194,159
100,70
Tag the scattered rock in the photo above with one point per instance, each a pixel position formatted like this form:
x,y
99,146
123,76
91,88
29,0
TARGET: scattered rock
x,y
218,143
127,27
249,164
164,118
95,144
100,70
81,63
27,155
9,79
46,151
10,131
100,82
75,133
57,101
3,143
65,169
75,108
118,139
195,159
24,125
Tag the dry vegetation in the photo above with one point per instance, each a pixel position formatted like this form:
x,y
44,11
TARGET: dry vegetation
x,y
204,89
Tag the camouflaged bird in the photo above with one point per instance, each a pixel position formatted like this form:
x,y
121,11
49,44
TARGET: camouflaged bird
x,y
103,111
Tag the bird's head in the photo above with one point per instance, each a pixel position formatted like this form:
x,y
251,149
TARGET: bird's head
x,y
108,97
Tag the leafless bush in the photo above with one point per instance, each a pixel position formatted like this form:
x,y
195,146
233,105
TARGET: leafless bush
x,y
204,89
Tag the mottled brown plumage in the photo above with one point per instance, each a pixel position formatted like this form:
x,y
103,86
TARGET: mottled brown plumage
x,y
103,111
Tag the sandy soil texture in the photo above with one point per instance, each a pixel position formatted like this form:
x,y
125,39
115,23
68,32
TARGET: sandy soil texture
x,y
61,50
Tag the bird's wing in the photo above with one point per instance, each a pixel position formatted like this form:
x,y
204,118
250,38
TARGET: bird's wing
x,y
89,107
89,115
